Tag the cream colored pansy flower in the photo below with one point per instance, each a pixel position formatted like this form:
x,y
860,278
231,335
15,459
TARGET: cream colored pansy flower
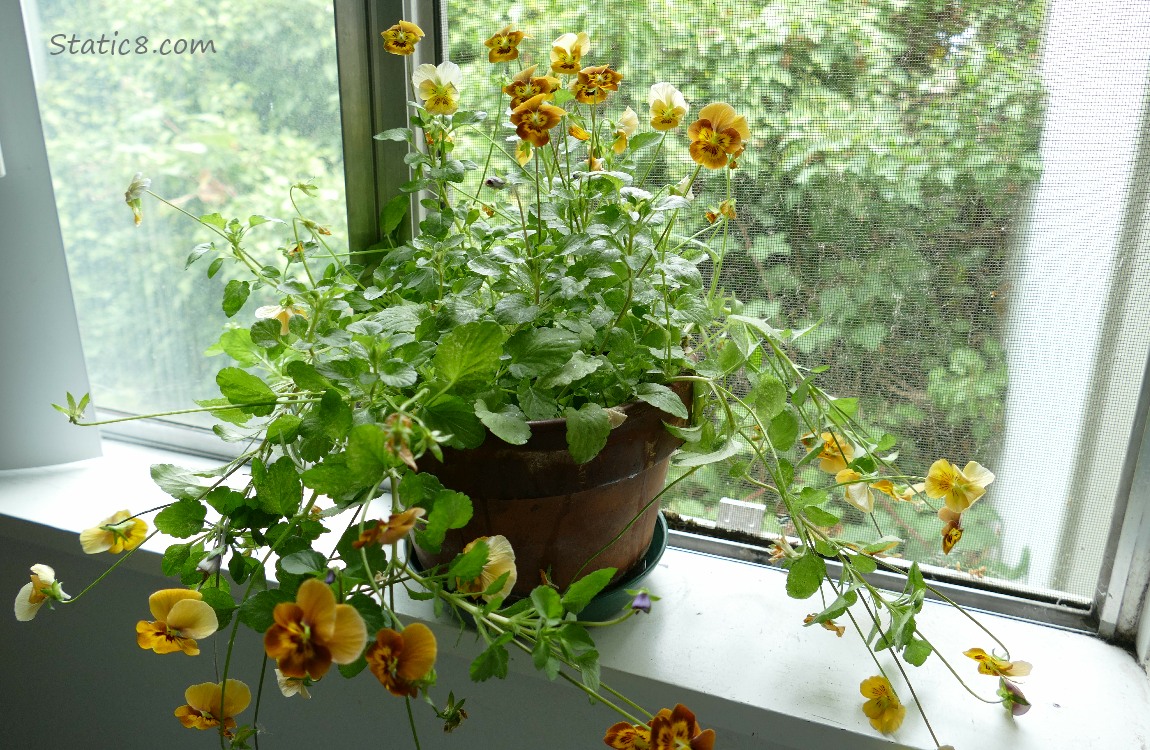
x,y
567,51
668,107
500,560
438,86
625,129
958,488
290,686
858,493
40,589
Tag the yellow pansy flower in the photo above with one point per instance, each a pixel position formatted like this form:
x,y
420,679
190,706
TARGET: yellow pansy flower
x,y
182,617
210,704
567,51
836,453
116,533
401,38
438,86
882,707
594,83
500,560
525,85
504,46
717,134
668,107
992,665
958,488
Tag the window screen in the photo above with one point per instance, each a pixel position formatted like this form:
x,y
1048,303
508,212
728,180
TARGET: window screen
x,y
930,183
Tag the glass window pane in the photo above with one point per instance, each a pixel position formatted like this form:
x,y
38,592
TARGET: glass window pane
x,y
909,178
223,109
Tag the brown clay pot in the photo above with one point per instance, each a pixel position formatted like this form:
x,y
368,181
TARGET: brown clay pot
x,y
557,514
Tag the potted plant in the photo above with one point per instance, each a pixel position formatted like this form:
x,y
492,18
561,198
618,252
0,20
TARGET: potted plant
x,y
555,304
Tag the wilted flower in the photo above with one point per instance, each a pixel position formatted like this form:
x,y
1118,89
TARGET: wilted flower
x,y
642,602
534,119
525,85
290,686
401,660
625,130
134,195
1012,698
718,133
578,133
594,83
438,86
958,488
504,46
40,589
668,107
830,625
282,313
952,530
992,665
182,617
882,707
401,38
568,50
210,704
500,560
312,632
392,530
114,534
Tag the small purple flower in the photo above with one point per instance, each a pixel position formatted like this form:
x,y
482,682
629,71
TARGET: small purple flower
x,y
330,577
641,602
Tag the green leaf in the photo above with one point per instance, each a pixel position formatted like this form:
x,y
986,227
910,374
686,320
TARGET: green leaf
x,y
331,477
306,377
283,429
587,431
221,602
863,563
397,374
729,448
580,593
368,456
393,213
453,416
235,295
279,490
181,519
768,398
246,391
225,500
214,220
805,576
662,398
493,661
256,612
509,424
820,516
395,134
471,350
237,344
447,510
538,351
214,267
837,608
578,367
198,252
916,652
178,482
174,558
547,603
783,430
467,566
304,562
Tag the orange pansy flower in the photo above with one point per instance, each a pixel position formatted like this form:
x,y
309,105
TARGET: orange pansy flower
x,y
594,83
525,85
534,119
717,134
211,703
669,730
313,632
400,660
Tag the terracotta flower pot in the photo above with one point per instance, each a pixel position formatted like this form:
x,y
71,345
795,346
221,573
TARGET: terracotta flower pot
x,y
557,514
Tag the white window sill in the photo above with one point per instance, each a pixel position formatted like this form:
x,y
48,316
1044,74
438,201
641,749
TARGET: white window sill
x,y
725,639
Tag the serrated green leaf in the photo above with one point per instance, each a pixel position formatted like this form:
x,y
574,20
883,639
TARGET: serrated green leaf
x,y
467,566
492,662
730,448
820,516
306,377
225,500
662,398
588,428
453,416
246,391
580,593
304,562
178,482
469,351
447,510
916,652
182,519
221,602
538,351
368,456
395,134
547,603
783,430
509,424
174,558
279,490
235,295
283,429
805,576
